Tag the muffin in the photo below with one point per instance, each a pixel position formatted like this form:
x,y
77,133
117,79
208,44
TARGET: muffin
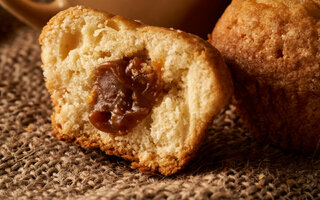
x,y
144,93
273,50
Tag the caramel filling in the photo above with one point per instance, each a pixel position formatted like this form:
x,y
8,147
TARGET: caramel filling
x,y
124,93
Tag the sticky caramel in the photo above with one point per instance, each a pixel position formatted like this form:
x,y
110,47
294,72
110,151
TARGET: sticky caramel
x,y
124,93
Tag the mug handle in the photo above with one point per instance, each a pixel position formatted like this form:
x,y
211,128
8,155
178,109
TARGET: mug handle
x,y
34,14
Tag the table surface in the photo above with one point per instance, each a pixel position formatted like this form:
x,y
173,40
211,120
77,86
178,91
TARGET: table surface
x,y
231,164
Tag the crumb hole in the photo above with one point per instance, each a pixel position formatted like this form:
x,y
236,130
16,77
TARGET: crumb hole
x,y
69,41
235,22
148,122
113,25
279,53
143,53
70,74
98,38
59,126
104,54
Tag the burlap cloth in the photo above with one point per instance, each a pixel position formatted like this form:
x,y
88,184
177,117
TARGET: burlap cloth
x,y
34,165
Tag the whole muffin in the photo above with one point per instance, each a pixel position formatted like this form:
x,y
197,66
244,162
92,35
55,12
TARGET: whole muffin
x,y
273,50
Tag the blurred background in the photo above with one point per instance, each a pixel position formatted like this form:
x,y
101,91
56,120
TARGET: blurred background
x,y
194,16
203,16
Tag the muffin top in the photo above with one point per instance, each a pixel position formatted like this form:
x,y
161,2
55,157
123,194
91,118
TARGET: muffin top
x,y
275,41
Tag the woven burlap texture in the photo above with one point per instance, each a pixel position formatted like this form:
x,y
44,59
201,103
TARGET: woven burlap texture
x,y
231,164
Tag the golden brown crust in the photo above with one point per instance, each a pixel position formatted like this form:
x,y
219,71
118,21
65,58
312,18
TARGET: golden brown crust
x,y
209,59
272,49
168,169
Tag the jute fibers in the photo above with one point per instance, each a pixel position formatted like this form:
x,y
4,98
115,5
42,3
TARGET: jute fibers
x,y
33,165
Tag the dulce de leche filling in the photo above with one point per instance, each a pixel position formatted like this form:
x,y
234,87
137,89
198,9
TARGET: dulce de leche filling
x,y
124,93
